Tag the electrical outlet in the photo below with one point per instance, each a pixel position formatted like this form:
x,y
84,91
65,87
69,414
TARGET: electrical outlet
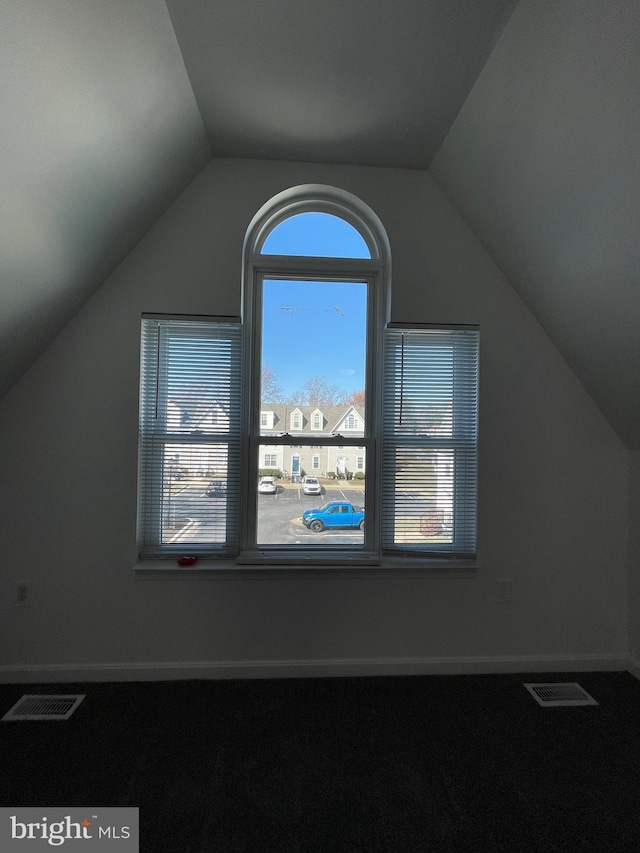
x,y
22,594
503,591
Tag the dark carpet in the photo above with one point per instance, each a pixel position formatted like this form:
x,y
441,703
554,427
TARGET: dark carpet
x,y
431,763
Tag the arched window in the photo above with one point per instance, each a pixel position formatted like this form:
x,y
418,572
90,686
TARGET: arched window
x,y
316,288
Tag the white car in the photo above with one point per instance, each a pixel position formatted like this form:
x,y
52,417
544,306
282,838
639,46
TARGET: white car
x,y
311,486
267,486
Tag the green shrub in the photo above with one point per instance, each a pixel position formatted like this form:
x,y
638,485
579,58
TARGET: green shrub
x,y
270,472
359,475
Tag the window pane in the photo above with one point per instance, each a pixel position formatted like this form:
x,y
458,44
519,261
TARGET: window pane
x,y
313,357
430,439
423,491
194,494
319,235
189,434
309,479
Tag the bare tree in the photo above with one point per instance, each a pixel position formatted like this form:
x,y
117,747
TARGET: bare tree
x,y
317,392
270,389
297,398
357,398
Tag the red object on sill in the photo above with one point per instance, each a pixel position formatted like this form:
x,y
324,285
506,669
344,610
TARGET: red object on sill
x,y
187,561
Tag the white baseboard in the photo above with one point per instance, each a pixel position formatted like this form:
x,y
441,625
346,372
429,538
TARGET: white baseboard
x,y
169,671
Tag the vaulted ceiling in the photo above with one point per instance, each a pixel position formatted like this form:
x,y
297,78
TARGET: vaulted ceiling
x,y
526,114
543,161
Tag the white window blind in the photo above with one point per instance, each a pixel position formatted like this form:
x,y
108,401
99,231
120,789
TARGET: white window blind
x,y
190,435
430,431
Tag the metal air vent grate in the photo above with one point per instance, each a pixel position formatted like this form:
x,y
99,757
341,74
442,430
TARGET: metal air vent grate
x,y
556,695
49,707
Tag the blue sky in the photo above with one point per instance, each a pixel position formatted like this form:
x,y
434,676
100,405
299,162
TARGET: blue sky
x,y
315,328
320,235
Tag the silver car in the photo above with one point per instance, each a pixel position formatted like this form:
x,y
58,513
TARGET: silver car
x,y
267,486
311,486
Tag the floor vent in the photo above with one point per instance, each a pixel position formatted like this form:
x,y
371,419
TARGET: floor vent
x,y
555,695
49,707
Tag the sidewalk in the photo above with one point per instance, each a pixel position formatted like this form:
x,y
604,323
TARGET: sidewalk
x,y
327,485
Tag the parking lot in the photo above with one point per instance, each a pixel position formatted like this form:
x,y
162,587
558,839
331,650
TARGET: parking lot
x,y
191,515
279,516
197,517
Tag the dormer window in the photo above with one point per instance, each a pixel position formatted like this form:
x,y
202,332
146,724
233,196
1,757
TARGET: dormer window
x,y
351,422
266,420
296,420
316,421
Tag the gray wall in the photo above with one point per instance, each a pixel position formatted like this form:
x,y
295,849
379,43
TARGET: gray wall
x,y
553,476
542,162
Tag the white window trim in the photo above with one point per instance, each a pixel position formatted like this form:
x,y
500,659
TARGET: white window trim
x,y
376,272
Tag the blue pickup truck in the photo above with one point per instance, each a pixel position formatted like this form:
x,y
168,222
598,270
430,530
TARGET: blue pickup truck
x,y
333,515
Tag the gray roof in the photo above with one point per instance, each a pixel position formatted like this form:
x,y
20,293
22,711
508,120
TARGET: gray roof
x,y
332,415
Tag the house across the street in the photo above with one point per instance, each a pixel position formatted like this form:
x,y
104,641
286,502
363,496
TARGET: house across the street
x,y
322,460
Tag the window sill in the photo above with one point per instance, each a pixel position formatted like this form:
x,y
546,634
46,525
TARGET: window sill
x,y
384,568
